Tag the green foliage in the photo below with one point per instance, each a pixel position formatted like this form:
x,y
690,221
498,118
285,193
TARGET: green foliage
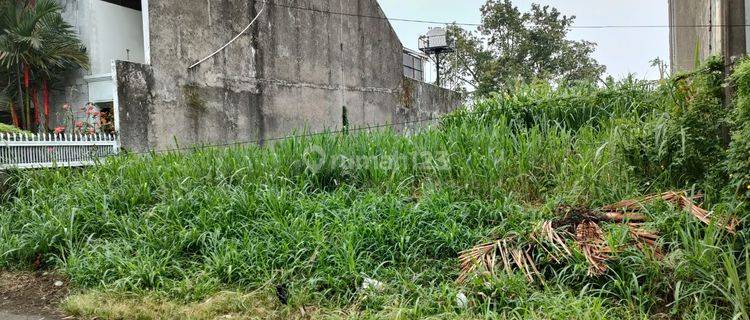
x,y
572,108
323,213
242,217
4,128
193,99
38,36
681,142
516,47
738,162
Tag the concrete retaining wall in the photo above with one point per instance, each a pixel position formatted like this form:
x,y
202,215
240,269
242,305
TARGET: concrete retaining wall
x,y
421,101
134,86
705,28
294,70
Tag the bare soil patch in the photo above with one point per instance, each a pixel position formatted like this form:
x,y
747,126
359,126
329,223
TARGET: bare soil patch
x,y
32,294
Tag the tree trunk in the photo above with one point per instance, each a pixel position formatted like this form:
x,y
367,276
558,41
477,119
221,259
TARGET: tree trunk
x,y
20,96
26,96
35,104
13,114
45,103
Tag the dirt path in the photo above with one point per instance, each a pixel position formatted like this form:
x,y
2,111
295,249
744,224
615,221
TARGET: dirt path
x,y
10,316
29,296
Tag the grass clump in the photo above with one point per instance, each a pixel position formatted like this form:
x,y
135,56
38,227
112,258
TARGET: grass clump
x,y
5,128
168,236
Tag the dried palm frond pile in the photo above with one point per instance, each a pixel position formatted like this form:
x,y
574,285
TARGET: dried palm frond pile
x,y
581,227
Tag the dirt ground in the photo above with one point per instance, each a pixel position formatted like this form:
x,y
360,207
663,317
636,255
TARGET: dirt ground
x,y
31,295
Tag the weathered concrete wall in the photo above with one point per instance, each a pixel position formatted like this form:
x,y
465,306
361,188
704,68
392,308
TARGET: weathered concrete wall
x,y
689,19
315,63
713,27
294,70
736,34
135,83
421,101
215,102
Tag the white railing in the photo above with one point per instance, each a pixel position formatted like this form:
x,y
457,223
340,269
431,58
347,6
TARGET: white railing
x,y
26,151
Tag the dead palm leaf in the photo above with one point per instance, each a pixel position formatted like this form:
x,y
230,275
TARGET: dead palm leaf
x,y
581,226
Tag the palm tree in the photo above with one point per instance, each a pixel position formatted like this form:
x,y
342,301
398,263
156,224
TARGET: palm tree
x,y
36,47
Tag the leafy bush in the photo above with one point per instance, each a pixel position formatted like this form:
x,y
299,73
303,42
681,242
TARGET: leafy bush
x,y
4,128
680,143
570,107
738,163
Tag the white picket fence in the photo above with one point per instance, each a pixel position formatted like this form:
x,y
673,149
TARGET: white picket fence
x,y
54,150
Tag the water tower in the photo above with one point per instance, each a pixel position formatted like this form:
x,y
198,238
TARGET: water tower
x,y
436,42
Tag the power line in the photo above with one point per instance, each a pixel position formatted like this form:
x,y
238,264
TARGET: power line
x,y
476,24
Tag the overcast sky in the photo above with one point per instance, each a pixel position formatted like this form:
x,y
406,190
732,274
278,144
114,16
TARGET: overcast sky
x,y
622,50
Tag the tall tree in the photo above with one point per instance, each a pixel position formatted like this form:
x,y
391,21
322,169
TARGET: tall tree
x,y
36,47
513,46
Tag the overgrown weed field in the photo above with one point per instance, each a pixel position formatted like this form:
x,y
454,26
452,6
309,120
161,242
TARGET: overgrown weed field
x,y
371,224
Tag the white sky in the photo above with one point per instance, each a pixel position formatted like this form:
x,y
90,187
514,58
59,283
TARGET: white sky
x,y
622,50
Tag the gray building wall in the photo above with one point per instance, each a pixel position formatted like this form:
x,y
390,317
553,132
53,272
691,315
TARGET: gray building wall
x,y
421,101
701,28
74,90
688,37
294,70
108,32
215,102
735,34
135,82
314,63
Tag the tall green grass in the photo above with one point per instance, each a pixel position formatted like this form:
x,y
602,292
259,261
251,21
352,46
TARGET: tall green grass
x,y
399,209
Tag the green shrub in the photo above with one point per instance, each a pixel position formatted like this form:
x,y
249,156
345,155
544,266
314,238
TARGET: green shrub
x,y
570,107
738,162
4,128
680,143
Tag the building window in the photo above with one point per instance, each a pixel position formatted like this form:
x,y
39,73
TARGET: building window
x,y
132,4
413,66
